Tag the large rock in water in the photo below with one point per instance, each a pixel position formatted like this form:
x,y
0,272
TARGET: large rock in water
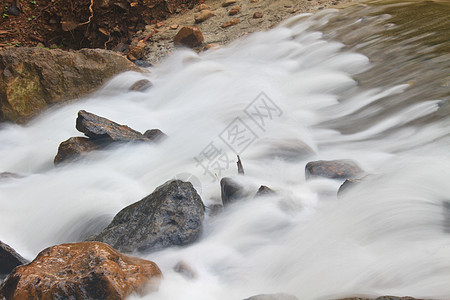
x,y
31,79
73,148
9,259
87,270
334,169
170,216
104,130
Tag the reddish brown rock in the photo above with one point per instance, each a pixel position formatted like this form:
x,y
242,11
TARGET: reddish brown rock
x,y
234,11
334,169
73,148
258,15
87,270
231,23
189,36
203,15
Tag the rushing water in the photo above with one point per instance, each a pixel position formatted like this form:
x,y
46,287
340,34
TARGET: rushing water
x,y
369,83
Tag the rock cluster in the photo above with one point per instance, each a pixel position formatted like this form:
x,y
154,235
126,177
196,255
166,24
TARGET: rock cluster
x,y
100,133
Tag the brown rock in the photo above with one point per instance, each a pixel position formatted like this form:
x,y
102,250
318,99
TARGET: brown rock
x,y
334,169
254,1
136,51
203,6
189,36
9,259
31,79
141,85
258,15
104,130
231,23
73,148
155,135
203,16
228,3
159,25
174,26
87,270
235,10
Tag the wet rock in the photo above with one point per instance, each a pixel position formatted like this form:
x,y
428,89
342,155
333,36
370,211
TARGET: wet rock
x,y
230,191
258,15
9,259
273,297
234,11
103,130
228,3
185,270
73,148
87,270
214,209
231,23
334,169
203,15
264,191
136,51
32,79
189,36
141,85
155,135
348,183
9,175
142,63
170,216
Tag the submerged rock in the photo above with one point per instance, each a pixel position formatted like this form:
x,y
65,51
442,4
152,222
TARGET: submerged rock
x,y
280,296
155,135
9,259
189,36
348,183
264,191
32,79
382,298
87,270
334,169
230,191
170,216
141,85
104,130
73,148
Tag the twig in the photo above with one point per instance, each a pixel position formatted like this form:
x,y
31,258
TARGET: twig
x,y
149,35
91,16
109,39
239,166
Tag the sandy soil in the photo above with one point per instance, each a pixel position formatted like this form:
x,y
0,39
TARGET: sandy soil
x,y
160,44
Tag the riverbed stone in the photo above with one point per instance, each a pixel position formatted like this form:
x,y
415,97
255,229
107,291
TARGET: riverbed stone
x,y
232,22
188,36
32,79
203,15
333,169
86,270
170,216
74,148
104,130
9,259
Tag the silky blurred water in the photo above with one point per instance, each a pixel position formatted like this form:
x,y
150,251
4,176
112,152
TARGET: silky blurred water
x,y
369,83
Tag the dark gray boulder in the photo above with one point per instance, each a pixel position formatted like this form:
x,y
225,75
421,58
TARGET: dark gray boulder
x,y
9,259
170,216
230,191
104,130
333,169
280,296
